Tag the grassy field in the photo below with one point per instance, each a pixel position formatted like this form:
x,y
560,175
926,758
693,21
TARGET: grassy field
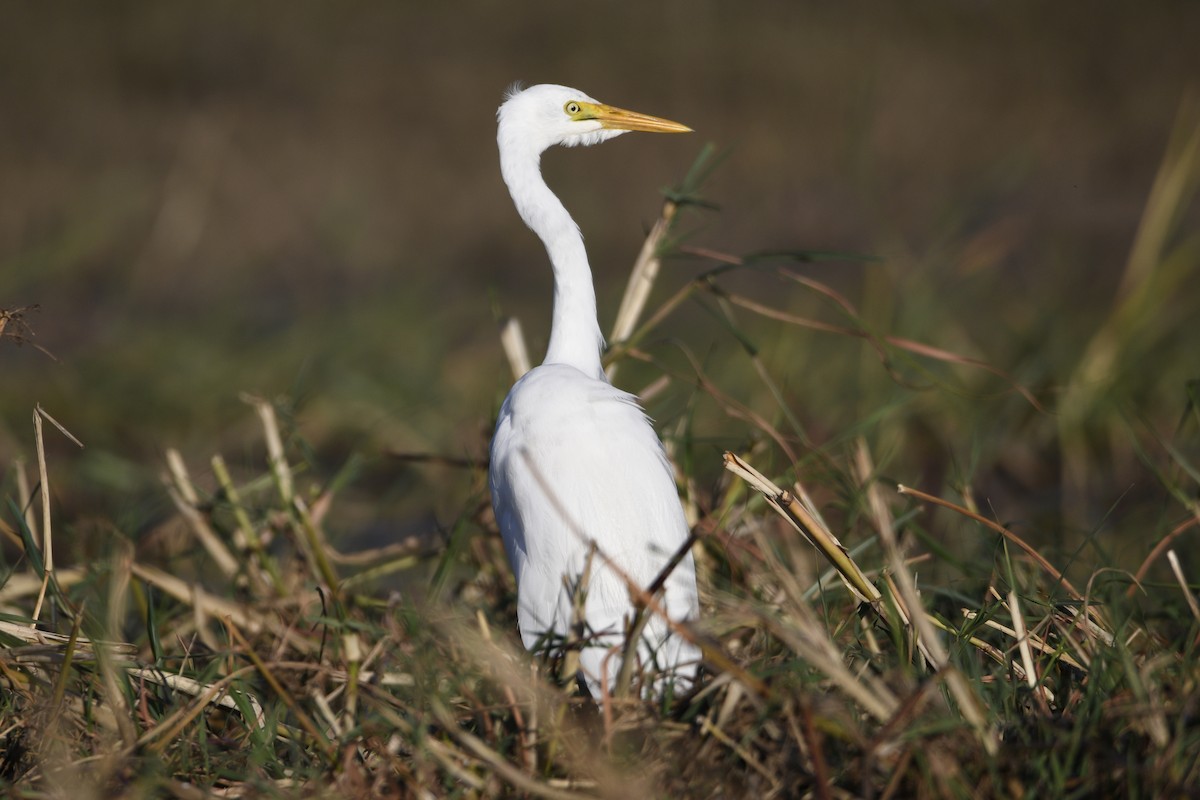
x,y
923,351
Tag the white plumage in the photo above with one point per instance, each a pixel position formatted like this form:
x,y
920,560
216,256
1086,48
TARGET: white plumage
x,y
575,460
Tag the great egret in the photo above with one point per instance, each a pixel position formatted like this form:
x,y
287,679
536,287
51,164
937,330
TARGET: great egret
x,y
575,463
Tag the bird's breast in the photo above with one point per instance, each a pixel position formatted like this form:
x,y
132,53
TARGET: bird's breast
x,y
572,447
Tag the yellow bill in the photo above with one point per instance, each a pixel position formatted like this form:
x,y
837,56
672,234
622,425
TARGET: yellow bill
x,y
620,119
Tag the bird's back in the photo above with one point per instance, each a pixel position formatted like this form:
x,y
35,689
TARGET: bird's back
x,y
575,460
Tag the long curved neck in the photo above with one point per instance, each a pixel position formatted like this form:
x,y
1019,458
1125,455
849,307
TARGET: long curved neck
x,y
575,337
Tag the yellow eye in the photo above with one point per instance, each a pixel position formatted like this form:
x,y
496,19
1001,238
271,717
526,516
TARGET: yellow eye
x,y
572,108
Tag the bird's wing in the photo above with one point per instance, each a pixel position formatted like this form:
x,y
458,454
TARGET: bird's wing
x,y
575,460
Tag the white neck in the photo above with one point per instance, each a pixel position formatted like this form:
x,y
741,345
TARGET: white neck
x,y
575,337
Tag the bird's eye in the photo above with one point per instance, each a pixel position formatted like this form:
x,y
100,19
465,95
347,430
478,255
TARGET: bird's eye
x,y
572,108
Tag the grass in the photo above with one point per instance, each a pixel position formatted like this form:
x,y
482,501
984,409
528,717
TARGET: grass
x,y
869,629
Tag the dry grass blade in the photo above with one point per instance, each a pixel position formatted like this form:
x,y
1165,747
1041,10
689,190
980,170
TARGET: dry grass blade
x,y
1022,637
64,672
283,694
209,605
41,412
26,499
498,763
1034,641
786,504
641,281
877,342
624,348
311,540
512,340
1163,546
15,329
187,500
561,740
281,471
860,332
807,639
1183,584
927,639
939,354
315,548
729,405
44,488
47,647
212,693
164,734
22,584
47,531
118,591
706,727
1037,557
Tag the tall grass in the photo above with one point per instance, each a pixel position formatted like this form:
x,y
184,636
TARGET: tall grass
x,y
861,637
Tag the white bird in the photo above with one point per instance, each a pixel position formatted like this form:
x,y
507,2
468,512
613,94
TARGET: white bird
x,y
575,461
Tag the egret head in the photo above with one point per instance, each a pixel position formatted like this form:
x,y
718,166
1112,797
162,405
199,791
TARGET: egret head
x,y
547,114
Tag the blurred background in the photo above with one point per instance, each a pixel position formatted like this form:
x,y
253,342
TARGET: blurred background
x,y
302,201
